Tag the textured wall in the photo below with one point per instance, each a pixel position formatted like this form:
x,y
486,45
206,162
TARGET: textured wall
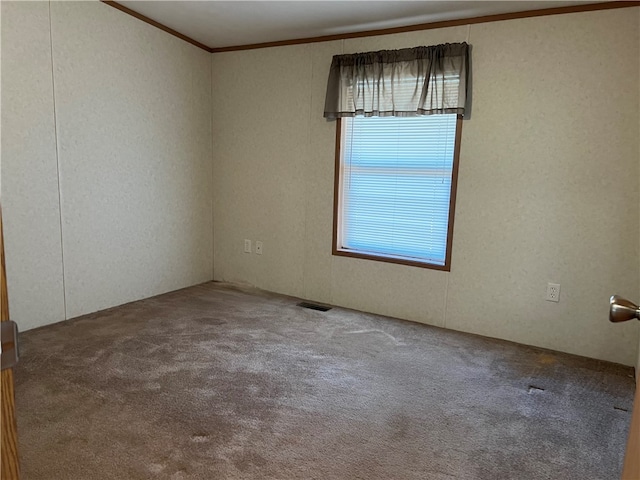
x,y
134,129
29,173
548,185
133,123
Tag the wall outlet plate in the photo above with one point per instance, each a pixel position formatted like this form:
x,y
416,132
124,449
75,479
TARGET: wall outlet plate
x,y
553,292
258,247
247,246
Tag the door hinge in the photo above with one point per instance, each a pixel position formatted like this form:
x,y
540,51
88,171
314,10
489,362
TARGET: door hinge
x,y
9,344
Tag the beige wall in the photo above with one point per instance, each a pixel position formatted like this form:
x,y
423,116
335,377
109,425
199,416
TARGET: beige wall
x,y
131,214
117,179
28,169
548,185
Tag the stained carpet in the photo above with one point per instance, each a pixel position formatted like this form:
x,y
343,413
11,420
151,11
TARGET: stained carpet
x,y
218,382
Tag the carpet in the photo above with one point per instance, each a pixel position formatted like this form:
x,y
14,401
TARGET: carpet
x,y
222,382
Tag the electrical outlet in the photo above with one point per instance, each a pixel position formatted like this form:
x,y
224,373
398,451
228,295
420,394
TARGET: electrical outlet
x,y
258,247
553,292
247,246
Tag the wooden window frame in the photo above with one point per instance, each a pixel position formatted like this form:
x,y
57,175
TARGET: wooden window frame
x,y
338,251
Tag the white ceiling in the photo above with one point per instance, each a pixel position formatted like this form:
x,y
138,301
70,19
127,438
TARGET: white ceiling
x,y
233,23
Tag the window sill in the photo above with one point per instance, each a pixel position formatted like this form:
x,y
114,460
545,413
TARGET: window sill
x,y
390,259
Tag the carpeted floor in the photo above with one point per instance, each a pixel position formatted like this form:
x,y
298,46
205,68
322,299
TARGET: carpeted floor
x,y
214,382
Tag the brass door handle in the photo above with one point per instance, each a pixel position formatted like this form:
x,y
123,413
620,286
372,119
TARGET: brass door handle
x,y
621,309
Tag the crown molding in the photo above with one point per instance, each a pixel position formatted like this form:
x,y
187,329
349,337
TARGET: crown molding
x,y
590,7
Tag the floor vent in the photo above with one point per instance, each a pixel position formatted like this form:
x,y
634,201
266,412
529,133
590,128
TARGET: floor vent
x,y
534,389
314,306
621,409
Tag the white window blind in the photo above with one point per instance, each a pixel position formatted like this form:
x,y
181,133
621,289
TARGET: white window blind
x,y
396,185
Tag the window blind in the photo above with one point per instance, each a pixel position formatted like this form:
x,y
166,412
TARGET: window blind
x,y
396,185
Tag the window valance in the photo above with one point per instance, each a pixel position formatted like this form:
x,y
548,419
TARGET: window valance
x,y
401,83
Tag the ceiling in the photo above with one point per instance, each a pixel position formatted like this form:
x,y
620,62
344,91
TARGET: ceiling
x,y
219,24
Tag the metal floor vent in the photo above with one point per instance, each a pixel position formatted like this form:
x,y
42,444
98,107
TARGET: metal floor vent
x,y
534,389
314,306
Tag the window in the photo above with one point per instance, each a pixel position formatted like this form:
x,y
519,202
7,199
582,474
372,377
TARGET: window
x,y
399,119
395,188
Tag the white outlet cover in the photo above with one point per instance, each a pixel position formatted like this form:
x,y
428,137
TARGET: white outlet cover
x,y
247,246
553,292
258,247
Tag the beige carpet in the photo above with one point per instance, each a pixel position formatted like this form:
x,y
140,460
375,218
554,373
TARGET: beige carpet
x,y
215,382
